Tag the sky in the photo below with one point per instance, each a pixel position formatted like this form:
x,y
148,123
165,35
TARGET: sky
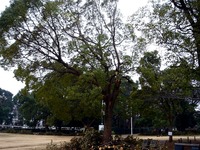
x,y
7,80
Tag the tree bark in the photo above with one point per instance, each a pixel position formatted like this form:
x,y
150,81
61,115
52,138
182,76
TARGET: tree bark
x,y
170,136
107,124
111,93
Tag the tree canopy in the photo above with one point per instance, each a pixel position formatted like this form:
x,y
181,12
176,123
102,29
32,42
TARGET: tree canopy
x,y
74,55
165,94
87,40
174,25
76,97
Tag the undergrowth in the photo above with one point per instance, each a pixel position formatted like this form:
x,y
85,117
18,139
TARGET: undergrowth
x,y
92,140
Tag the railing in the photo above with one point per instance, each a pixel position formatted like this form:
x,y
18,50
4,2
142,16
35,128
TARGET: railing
x,y
181,146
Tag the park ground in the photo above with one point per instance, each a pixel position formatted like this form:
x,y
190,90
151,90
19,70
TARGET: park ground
x,y
38,142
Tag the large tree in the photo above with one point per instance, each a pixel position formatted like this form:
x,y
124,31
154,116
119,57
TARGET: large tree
x,y
68,37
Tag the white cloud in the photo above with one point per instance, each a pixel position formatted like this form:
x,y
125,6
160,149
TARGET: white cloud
x,y
9,83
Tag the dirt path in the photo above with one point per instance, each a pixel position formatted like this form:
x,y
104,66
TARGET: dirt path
x,y
28,142
38,142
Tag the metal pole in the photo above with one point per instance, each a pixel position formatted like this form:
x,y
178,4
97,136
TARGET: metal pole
x,y
131,125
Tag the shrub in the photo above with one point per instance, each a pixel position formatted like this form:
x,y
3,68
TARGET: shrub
x,y
130,139
91,138
75,143
53,146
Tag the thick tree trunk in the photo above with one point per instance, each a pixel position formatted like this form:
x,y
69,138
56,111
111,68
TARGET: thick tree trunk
x,y
110,96
107,124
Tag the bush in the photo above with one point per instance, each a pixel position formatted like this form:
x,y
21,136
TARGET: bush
x,y
75,143
131,140
91,138
62,146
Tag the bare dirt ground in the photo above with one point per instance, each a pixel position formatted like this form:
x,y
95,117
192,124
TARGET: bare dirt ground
x,y
29,142
38,142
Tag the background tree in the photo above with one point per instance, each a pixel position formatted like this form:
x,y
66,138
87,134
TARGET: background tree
x,y
164,90
123,110
148,96
6,107
69,37
186,119
31,112
174,27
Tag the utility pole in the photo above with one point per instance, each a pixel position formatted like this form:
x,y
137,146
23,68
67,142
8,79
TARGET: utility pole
x,y
131,125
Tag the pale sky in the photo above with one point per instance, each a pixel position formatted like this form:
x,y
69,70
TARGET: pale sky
x,y
7,80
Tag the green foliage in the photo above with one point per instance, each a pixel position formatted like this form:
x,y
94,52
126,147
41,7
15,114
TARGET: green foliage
x,y
30,109
149,70
72,54
91,138
88,142
186,119
124,106
13,15
76,97
162,91
51,9
6,107
172,25
178,77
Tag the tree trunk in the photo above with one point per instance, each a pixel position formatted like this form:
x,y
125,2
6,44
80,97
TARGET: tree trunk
x,y
110,93
107,134
170,136
171,120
